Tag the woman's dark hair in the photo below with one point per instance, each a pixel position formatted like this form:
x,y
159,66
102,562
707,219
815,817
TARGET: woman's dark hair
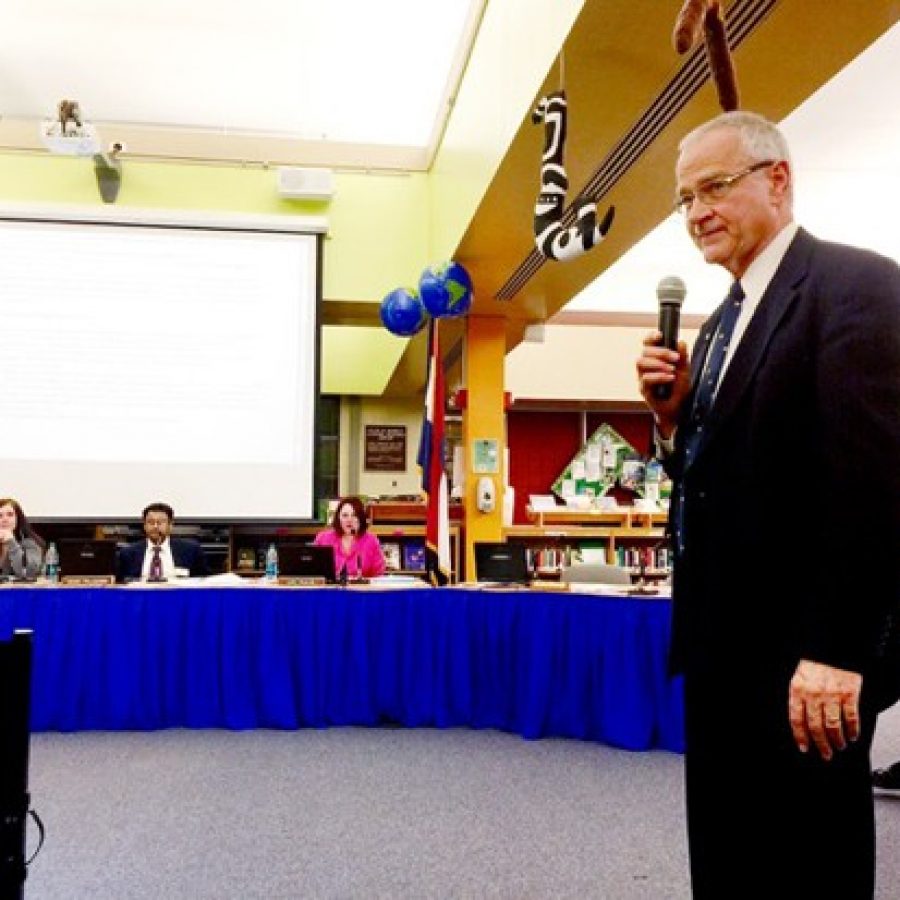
x,y
360,511
23,527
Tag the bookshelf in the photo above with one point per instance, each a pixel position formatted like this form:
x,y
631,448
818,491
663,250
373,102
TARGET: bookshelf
x,y
625,537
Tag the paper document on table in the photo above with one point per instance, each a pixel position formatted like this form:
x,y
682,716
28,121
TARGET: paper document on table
x,y
223,579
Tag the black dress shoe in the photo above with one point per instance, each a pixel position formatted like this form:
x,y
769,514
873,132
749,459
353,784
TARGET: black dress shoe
x,y
887,779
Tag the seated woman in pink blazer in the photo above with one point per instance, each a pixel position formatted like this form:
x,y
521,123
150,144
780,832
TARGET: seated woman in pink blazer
x,y
357,552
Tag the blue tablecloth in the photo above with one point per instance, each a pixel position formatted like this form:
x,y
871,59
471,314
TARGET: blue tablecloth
x,y
537,664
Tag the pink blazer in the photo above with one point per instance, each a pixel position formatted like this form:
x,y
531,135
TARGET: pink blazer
x,y
365,559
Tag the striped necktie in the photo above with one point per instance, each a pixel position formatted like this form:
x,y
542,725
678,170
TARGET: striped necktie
x,y
155,573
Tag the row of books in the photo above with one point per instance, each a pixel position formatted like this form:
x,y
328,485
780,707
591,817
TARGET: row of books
x,y
550,558
408,556
648,557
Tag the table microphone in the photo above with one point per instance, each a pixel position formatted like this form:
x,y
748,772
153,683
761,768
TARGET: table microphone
x,y
670,293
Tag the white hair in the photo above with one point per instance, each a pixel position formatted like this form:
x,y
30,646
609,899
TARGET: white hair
x,y
760,139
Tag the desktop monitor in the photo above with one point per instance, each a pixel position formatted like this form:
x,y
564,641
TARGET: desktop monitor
x,y
306,561
79,558
501,562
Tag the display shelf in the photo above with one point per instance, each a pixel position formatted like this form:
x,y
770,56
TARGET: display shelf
x,y
623,517
409,511
624,544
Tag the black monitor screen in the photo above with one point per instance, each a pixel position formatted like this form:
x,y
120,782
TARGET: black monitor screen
x,y
501,562
306,561
78,557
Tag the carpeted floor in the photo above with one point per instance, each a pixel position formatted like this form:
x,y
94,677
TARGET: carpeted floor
x,y
369,813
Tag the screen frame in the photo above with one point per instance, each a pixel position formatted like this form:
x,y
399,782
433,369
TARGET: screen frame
x,y
216,221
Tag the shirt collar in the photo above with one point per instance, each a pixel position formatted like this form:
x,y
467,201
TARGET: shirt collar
x,y
762,270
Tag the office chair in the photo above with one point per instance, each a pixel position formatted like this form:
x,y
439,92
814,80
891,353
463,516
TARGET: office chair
x,y
594,573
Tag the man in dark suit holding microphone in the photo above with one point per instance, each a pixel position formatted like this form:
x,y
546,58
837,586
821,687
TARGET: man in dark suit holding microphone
x,y
778,625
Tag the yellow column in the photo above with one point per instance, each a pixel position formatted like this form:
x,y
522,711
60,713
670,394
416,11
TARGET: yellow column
x,y
484,429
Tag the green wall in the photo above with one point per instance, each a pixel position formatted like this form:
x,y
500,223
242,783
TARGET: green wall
x,y
377,233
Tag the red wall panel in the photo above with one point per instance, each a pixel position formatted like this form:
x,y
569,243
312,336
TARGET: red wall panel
x,y
541,445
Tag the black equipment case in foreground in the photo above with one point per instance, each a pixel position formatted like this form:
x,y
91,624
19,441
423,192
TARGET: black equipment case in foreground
x,y
15,706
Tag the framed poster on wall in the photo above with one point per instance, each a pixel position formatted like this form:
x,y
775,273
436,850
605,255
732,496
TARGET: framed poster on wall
x,y
385,448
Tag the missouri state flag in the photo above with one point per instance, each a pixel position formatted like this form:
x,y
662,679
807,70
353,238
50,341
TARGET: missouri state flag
x,y
434,475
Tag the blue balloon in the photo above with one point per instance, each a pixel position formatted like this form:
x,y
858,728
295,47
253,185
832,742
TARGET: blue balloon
x,y
446,290
402,312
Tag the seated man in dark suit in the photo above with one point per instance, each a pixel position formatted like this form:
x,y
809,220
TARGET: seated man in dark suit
x,y
160,557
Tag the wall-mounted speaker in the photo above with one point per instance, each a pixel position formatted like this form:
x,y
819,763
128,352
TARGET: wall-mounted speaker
x,y
296,183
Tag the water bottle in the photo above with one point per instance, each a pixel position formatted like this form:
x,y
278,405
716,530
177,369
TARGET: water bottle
x,y
51,564
272,563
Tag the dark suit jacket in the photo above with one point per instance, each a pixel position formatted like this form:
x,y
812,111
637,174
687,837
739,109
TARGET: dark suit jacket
x,y
188,554
792,501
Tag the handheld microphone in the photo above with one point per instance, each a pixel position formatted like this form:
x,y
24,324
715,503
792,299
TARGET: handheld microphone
x,y
670,292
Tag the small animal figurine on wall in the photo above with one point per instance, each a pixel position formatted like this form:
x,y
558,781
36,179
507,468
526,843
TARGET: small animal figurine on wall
x,y
69,114
554,241
705,16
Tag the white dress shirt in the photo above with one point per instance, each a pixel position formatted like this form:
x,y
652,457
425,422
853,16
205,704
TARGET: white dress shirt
x,y
165,554
754,282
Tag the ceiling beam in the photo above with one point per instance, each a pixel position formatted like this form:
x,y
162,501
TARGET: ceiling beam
x,y
618,62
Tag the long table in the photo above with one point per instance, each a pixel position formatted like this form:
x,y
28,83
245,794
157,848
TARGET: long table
x,y
537,664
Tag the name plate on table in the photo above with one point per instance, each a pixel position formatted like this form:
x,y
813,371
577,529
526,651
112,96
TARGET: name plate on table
x,y
301,581
87,580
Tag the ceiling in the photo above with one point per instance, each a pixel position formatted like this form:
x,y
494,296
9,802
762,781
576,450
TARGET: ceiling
x,y
292,72
291,82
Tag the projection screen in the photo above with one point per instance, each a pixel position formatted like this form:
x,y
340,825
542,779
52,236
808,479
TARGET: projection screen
x,y
148,361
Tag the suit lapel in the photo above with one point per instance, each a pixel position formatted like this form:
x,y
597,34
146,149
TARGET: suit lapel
x,y
774,304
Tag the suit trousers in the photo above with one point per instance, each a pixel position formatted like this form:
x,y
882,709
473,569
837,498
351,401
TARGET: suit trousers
x,y
763,818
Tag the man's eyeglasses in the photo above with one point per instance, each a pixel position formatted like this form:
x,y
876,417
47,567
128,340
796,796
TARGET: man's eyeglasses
x,y
716,189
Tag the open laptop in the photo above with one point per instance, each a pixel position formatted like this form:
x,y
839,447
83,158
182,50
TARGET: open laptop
x,y
86,558
501,563
306,561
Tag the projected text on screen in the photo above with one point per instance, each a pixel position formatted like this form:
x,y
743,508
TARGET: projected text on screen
x,y
158,362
